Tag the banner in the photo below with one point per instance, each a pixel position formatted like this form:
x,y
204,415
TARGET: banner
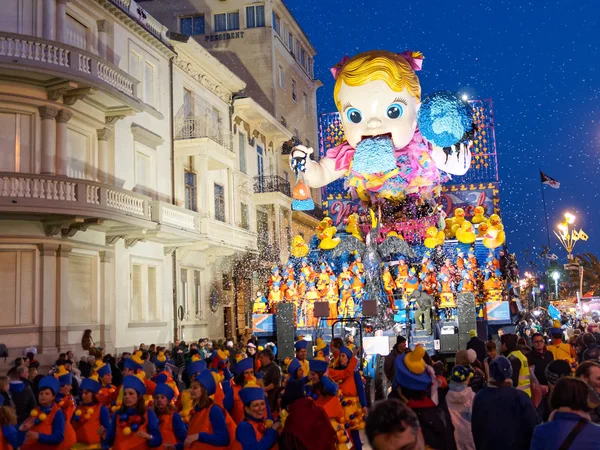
x,y
553,312
263,324
497,312
468,196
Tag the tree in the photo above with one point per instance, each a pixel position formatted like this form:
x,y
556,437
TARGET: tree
x,y
591,273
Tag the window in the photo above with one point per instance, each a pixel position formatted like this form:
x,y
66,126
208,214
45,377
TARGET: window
x,y
255,16
16,142
144,306
228,21
302,57
191,26
134,65
310,67
260,161
75,33
188,103
191,294
242,150
245,213
294,90
305,102
276,23
291,42
219,202
145,173
190,190
283,121
262,229
149,84
18,286
281,77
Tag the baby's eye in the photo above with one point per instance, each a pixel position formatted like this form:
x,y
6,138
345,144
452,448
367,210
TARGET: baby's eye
x,y
354,115
395,111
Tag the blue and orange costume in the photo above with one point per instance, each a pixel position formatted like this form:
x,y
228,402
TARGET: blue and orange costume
x,y
170,424
252,433
108,392
10,437
163,375
126,423
88,418
67,404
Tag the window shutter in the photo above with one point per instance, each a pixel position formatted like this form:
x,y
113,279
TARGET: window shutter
x,y
153,312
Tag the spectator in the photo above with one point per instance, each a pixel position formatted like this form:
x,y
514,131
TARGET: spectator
x,y
393,425
570,425
492,352
594,329
271,376
592,351
117,375
5,392
466,358
477,344
518,361
523,346
22,396
554,371
203,350
390,360
460,405
503,417
538,360
86,365
70,357
589,371
9,437
148,368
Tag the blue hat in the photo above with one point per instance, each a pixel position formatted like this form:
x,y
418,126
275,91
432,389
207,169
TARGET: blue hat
x,y
242,366
207,380
276,284
346,351
104,370
500,368
161,378
89,384
251,392
164,389
133,382
65,378
411,370
301,344
293,367
49,382
131,364
460,374
318,365
274,269
196,367
160,361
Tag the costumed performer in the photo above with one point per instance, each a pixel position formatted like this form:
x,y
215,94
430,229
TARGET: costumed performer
x,y
91,419
255,432
170,424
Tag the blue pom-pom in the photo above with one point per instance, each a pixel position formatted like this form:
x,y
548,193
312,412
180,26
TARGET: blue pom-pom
x,y
444,118
135,427
124,417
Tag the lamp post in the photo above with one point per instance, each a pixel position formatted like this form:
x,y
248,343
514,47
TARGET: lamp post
x,y
568,235
555,277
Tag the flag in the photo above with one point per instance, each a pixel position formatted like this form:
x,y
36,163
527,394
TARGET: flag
x,y
552,257
549,181
553,312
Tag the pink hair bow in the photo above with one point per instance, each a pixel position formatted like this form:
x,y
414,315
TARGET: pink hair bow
x,y
335,70
415,59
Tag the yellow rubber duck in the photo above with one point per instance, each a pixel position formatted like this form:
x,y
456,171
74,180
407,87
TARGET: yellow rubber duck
x,y
482,229
328,241
478,215
352,227
459,216
433,237
466,233
299,248
494,238
495,222
448,230
394,233
325,223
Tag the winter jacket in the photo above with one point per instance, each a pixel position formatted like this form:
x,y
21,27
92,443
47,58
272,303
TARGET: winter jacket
x,y
389,367
539,361
459,400
479,346
23,399
592,352
436,424
550,436
503,418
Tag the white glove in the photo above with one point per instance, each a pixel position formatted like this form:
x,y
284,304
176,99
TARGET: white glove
x,y
450,163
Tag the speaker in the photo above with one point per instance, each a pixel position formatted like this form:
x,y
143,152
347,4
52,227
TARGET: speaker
x,y
284,321
467,314
449,343
321,309
369,308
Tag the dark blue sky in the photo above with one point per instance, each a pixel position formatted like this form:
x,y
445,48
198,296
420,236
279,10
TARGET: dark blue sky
x,y
538,60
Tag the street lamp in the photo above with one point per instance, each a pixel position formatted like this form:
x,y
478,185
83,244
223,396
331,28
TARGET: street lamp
x,y
568,235
555,277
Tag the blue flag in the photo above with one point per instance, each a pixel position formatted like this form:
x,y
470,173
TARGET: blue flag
x,y
553,312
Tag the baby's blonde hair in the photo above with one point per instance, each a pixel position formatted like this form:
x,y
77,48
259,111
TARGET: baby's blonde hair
x,y
390,67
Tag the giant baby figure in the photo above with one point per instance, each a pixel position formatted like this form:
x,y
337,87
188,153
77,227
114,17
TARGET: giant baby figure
x,y
386,155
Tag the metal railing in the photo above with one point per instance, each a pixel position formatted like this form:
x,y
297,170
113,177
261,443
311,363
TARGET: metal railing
x,y
272,183
198,127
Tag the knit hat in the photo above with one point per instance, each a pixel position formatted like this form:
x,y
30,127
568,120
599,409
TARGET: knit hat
x,y
411,370
242,365
300,344
196,366
91,384
462,358
318,364
133,382
557,369
207,380
160,361
293,367
294,389
500,368
65,378
472,333
472,355
164,389
135,362
460,374
251,392
49,382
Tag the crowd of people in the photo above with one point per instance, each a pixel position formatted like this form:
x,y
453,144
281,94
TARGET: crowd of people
x,y
526,394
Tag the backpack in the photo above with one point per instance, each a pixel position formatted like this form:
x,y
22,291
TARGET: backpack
x,y
3,352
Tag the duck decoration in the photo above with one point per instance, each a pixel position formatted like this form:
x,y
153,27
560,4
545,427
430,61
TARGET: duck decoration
x,y
495,235
328,239
478,215
466,233
299,247
352,226
434,238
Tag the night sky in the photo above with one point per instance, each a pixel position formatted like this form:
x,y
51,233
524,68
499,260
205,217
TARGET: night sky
x,y
538,60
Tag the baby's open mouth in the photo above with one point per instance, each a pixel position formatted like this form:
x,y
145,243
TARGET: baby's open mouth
x,y
376,136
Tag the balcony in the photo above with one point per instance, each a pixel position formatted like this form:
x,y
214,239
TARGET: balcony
x,y
223,236
200,135
272,183
71,71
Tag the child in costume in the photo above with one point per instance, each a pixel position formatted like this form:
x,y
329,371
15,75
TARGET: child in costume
x,y
67,403
91,418
170,424
108,392
254,431
460,406
243,371
10,438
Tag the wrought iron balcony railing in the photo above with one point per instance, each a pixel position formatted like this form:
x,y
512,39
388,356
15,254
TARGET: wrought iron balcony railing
x,y
272,183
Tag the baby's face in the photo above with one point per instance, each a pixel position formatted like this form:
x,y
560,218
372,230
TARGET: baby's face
x,y
374,109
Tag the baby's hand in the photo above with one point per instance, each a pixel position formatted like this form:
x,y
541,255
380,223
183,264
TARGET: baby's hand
x,y
300,154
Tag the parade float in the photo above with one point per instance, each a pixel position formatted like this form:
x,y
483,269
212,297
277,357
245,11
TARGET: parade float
x,y
410,189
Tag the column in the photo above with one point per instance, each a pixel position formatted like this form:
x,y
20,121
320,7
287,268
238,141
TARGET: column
x,y
48,298
104,135
103,29
49,22
48,115
62,150
231,199
61,20
107,314
62,301
277,243
203,189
